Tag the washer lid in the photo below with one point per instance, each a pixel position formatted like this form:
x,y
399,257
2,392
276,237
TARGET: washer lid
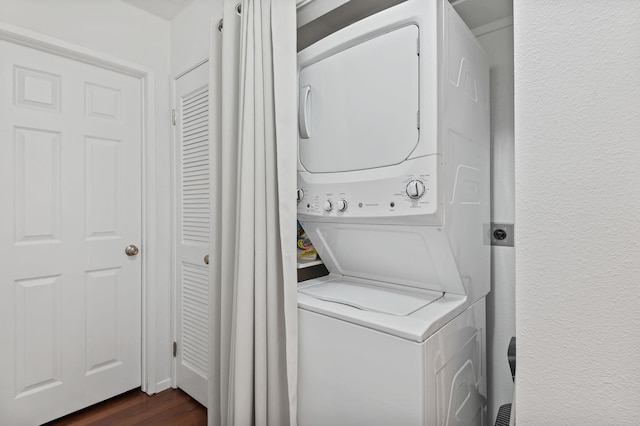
x,y
371,297
413,257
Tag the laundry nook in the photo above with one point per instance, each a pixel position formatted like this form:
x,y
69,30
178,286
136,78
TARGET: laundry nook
x,y
393,191
460,178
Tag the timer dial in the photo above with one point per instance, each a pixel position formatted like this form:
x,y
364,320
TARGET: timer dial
x,y
415,189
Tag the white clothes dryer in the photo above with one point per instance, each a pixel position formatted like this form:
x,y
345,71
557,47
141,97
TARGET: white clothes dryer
x,y
393,191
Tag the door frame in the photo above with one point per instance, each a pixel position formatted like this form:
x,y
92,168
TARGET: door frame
x,y
24,37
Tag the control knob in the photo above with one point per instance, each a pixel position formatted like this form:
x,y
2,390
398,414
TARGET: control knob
x,y
342,205
299,194
328,205
415,189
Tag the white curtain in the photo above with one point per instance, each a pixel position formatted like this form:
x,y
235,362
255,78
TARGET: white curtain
x,y
253,308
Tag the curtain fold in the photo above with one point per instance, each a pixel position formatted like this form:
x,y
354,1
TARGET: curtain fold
x,y
253,313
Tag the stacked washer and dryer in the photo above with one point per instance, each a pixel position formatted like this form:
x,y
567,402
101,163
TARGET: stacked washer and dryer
x,y
393,178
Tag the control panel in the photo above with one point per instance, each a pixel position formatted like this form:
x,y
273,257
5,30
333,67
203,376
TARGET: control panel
x,y
367,194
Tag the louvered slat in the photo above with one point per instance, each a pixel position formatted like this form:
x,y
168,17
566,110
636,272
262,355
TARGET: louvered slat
x,y
195,168
195,294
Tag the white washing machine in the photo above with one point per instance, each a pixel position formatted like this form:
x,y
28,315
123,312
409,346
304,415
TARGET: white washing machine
x,y
393,178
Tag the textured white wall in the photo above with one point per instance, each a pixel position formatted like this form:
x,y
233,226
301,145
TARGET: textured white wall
x,y
190,32
118,29
497,41
577,116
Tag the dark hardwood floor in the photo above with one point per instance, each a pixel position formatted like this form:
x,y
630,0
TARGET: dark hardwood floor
x,y
170,407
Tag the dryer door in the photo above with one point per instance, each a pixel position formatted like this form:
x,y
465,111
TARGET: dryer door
x,y
359,106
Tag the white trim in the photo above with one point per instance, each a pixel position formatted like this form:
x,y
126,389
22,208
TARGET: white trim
x,y
187,71
493,26
164,385
149,239
173,154
58,47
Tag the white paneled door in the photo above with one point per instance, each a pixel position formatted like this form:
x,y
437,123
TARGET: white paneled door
x,y
192,231
70,203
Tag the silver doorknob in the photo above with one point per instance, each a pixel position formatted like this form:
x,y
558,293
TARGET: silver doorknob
x,y
131,250
206,260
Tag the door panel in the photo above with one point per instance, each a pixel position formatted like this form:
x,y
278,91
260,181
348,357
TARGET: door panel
x,y
70,181
193,218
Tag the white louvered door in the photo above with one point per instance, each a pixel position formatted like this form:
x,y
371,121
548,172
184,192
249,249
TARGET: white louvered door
x,y
192,230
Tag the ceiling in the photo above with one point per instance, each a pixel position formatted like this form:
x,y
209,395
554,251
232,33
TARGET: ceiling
x,y
166,9
316,20
475,13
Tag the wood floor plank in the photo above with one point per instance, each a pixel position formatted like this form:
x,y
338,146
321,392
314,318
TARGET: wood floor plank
x,y
172,407
103,410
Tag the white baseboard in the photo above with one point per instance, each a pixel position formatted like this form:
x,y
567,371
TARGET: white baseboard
x,y
163,385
